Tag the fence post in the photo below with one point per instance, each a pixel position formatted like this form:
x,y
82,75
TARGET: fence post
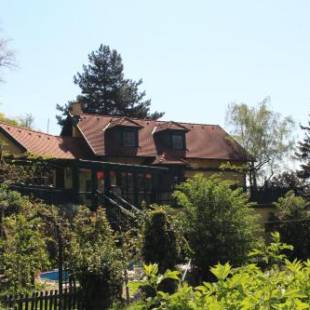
x,y
26,299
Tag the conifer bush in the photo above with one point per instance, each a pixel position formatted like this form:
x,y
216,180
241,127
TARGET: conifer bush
x,y
159,240
159,246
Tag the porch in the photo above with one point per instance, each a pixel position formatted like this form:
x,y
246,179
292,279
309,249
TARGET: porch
x,y
85,181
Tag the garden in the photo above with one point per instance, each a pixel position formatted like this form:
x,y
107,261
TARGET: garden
x,y
208,251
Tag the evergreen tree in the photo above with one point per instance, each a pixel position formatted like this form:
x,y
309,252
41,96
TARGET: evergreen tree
x,y
303,153
105,90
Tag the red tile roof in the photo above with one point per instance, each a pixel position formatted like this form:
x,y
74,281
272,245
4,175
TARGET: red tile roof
x,y
46,145
202,141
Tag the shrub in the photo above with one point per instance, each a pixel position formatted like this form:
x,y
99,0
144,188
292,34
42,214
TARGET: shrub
x,y
10,201
247,287
23,254
95,259
22,242
294,224
159,241
218,222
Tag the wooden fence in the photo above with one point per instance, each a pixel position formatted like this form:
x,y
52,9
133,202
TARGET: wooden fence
x,y
46,300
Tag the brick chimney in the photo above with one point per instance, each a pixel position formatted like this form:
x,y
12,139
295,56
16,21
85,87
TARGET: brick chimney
x,y
76,109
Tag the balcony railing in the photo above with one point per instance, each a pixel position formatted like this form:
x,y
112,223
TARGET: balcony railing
x,y
48,194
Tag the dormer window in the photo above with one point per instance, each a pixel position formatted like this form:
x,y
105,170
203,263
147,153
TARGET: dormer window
x,y
171,135
122,133
173,140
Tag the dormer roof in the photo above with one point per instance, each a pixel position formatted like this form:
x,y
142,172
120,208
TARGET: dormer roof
x,y
164,126
122,122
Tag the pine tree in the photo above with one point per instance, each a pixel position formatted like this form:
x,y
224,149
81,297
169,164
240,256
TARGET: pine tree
x,y
303,153
105,90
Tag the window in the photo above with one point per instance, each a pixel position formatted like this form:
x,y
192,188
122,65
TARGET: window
x,y
173,140
123,137
85,180
68,178
100,181
177,141
130,138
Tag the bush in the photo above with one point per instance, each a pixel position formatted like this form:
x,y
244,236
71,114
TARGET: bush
x,y
11,202
23,251
159,241
95,260
247,287
23,254
294,224
218,222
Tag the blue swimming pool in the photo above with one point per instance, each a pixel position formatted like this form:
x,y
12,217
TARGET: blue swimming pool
x,y
53,275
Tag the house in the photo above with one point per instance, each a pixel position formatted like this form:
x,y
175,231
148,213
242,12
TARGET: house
x,y
142,159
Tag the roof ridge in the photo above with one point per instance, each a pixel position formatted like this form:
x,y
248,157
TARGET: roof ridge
x,y
148,120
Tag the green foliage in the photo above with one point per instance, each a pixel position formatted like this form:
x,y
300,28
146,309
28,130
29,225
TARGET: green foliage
x,y
25,121
292,207
287,179
247,287
7,120
134,287
271,255
303,153
153,282
293,221
26,234
104,89
159,240
95,259
24,254
10,201
219,222
25,171
264,134
228,166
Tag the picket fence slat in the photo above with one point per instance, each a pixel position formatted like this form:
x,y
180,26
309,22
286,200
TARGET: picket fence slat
x,y
50,300
46,300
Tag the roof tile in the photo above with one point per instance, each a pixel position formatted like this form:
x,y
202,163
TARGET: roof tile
x,y
46,145
202,141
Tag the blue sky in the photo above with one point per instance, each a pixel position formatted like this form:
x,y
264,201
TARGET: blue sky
x,y
195,57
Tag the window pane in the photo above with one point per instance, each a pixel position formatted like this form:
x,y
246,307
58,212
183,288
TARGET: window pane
x,y
85,180
117,136
129,137
68,178
100,181
113,178
166,140
177,142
